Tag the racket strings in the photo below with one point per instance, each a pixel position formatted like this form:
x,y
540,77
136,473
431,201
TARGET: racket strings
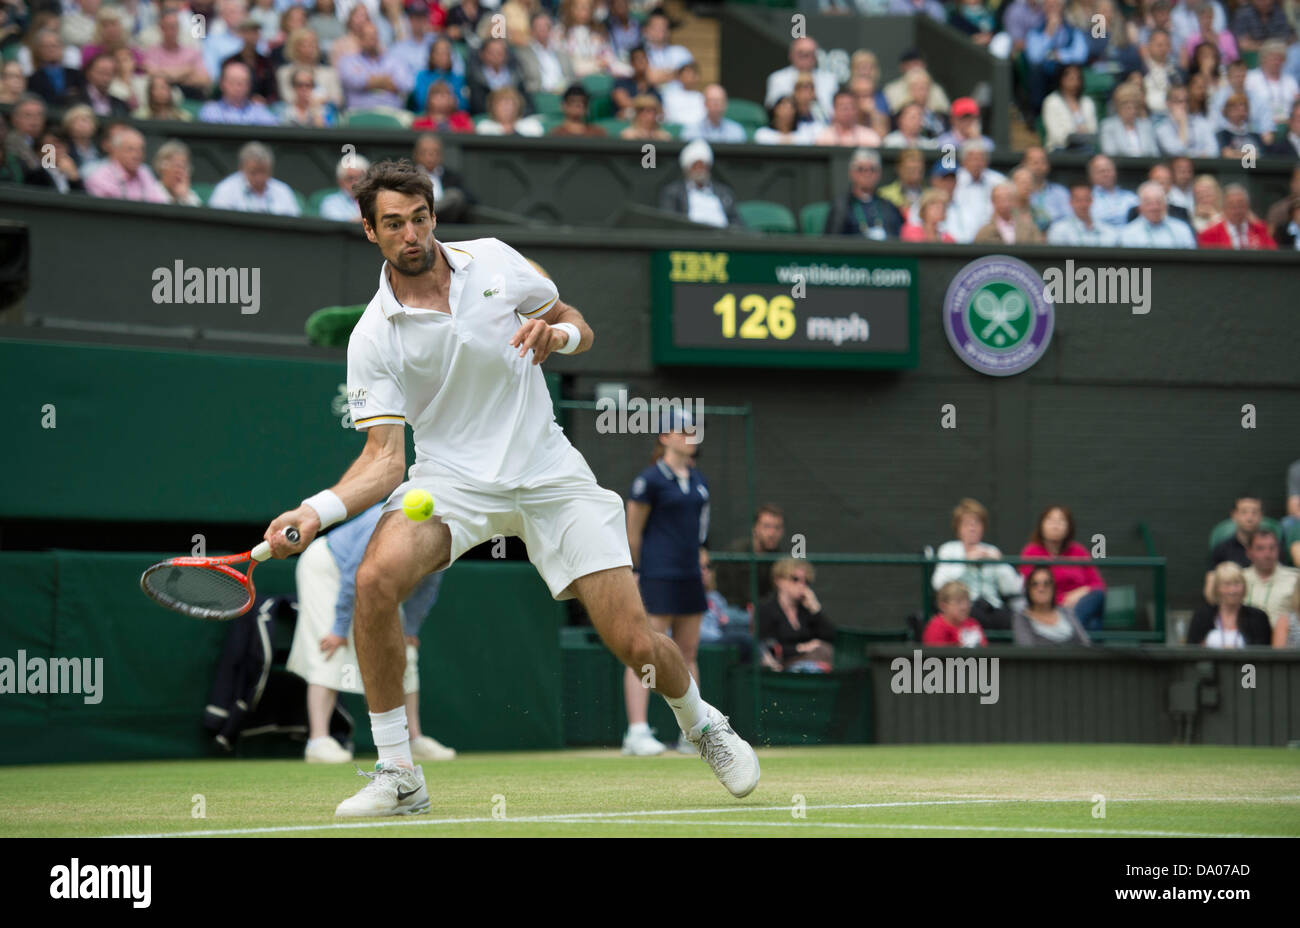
x,y
198,590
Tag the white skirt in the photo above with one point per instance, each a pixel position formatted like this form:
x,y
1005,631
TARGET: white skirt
x,y
317,577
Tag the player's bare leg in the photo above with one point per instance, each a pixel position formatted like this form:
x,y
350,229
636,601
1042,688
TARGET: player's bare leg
x,y
686,635
400,553
639,740
614,604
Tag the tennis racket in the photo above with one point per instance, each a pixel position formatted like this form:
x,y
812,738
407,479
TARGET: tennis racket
x,y
208,587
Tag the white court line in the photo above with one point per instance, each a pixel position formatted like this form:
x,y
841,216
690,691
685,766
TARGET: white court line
x,y
640,816
1032,829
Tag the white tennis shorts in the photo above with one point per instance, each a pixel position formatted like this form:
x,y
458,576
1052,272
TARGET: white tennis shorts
x,y
571,525
317,576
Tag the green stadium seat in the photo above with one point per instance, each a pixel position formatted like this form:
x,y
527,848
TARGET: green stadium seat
x,y
1098,85
330,327
547,104
598,85
769,217
314,200
812,218
612,127
1251,58
304,209
1227,527
204,191
379,119
549,120
192,107
1121,607
674,129
749,114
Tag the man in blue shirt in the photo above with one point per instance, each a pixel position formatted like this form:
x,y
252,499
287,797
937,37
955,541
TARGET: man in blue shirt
x,y
322,653
715,127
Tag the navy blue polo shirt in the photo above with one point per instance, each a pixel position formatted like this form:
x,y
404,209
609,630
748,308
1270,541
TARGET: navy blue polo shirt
x,y
678,522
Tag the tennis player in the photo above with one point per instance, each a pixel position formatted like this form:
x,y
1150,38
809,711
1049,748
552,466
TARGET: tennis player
x,y
451,345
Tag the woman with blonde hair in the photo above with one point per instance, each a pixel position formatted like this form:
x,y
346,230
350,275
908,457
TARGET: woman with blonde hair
x,y
302,50
792,620
584,39
505,108
1226,622
989,584
649,112
931,210
1207,203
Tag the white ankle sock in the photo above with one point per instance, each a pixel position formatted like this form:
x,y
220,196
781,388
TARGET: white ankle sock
x,y
639,728
392,737
316,742
689,708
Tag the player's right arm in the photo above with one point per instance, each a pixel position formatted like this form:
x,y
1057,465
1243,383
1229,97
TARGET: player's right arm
x,y
373,476
377,402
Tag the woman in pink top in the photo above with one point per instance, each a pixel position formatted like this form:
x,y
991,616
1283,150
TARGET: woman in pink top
x,y
1078,586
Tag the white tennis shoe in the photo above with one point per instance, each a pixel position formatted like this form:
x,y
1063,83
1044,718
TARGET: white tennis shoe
x,y
391,790
642,744
733,761
328,751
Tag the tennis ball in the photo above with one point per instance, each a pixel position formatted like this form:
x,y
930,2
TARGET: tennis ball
x,y
418,505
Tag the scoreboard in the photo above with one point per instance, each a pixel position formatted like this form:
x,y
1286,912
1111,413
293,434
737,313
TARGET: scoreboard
x,y
767,309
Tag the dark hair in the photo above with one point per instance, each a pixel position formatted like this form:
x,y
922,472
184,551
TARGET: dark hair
x,y
1060,78
1196,54
844,91
638,48
1051,579
658,11
771,111
1037,536
576,90
769,509
399,176
1261,531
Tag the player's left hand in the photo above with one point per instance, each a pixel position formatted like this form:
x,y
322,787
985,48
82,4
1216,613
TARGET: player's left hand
x,y
540,337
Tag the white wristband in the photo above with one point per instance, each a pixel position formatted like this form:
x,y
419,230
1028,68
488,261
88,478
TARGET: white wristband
x,y
574,337
328,506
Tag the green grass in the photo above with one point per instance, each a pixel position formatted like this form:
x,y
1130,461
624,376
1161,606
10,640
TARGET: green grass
x,y
1035,790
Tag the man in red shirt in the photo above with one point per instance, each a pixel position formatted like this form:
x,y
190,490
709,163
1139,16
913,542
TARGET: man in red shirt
x,y
954,625
1238,229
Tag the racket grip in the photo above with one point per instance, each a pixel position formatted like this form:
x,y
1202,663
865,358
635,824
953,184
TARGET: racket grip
x,y
263,550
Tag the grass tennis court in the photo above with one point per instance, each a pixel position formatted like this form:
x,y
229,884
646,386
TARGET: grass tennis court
x,y
955,790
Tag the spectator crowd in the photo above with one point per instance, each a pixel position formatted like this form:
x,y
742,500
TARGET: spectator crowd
x,y
1153,79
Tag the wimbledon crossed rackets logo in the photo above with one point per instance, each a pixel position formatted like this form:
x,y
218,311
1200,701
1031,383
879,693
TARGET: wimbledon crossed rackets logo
x,y
996,317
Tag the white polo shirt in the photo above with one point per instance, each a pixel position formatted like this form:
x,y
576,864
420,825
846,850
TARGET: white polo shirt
x,y
476,408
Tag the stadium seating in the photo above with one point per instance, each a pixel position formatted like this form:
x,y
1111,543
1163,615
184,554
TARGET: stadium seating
x,y
749,114
379,119
314,200
204,191
612,127
1121,607
547,104
812,218
766,216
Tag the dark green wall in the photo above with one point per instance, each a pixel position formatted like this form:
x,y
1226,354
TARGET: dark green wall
x,y
490,672
1096,695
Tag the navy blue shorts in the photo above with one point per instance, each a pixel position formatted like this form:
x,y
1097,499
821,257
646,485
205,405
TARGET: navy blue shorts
x,y
673,597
